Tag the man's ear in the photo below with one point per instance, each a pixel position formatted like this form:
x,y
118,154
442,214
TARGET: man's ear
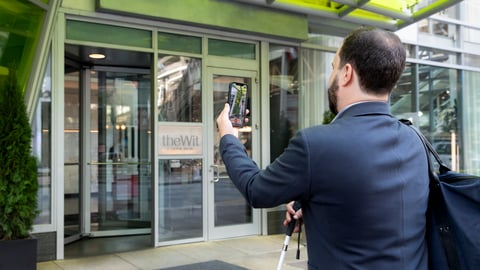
x,y
346,74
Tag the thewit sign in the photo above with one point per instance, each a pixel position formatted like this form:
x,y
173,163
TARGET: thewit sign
x,y
179,140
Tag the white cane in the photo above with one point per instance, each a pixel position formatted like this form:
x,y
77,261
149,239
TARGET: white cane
x,y
290,228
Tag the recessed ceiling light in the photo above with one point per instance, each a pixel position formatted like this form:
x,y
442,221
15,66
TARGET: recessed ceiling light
x,y
96,56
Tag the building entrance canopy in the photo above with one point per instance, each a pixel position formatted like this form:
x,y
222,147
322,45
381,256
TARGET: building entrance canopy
x,y
341,16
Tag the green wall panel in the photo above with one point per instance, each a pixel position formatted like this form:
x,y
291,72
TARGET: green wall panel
x,y
232,49
20,27
179,43
87,31
215,13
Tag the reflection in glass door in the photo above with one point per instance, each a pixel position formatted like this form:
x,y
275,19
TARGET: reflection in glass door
x,y
119,143
231,214
107,153
72,169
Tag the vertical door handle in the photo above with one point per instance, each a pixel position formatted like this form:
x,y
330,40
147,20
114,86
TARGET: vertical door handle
x,y
216,173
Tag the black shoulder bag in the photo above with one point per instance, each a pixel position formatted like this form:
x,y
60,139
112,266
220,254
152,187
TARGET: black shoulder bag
x,y
453,215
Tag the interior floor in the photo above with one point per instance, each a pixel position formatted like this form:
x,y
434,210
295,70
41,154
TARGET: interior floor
x,y
87,247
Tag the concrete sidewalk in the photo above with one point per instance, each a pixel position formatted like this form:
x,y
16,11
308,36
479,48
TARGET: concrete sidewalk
x,y
257,252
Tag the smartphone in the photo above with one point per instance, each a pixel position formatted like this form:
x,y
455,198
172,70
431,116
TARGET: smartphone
x,y
237,99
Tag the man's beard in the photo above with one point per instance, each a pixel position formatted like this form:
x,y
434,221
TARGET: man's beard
x,y
332,96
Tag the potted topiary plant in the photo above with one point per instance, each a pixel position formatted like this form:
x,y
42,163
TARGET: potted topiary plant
x,y
18,180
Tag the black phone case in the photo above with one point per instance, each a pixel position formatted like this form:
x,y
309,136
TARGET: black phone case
x,y
237,99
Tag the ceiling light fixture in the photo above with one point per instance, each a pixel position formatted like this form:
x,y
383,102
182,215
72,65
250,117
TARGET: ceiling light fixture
x,y
96,56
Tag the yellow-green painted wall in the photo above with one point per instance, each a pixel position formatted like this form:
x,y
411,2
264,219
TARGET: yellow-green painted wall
x,y
85,5
219,14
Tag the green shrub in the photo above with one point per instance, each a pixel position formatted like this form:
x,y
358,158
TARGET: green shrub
x,y
18,168
328,117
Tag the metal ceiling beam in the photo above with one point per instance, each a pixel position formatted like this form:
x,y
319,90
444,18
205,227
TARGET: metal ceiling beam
x,y
425,12
385,12
345,18
348,8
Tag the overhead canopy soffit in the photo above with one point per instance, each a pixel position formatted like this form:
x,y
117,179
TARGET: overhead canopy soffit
x,y
341,16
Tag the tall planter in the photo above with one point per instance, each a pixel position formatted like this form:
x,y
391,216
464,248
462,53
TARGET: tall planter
x,y
20,254
18,170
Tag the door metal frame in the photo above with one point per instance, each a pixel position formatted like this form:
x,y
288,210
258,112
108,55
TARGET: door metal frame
x,y
253,228
81,164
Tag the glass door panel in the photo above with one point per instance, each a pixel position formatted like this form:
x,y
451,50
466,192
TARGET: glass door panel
x,y
119,139
180,199
231,214
180,145
72,170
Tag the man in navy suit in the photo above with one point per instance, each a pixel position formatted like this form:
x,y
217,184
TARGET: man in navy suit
x,y
362,180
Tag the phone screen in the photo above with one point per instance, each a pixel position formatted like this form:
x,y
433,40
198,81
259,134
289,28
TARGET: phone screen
x,y
237,99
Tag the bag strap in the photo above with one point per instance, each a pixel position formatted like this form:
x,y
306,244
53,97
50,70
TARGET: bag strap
x,y
437,201
443,168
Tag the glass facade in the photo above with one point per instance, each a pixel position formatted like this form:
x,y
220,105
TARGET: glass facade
x,y
179,105
284,93
41,147
119,154
71,154
107,141
179,89
429,96
180,203
438,91
437,88
316,68
470,121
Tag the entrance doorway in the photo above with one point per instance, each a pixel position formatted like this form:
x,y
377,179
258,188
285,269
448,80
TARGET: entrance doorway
x,y
230,215
107,165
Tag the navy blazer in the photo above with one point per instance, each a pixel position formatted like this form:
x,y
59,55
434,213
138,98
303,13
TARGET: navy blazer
x,y
363,184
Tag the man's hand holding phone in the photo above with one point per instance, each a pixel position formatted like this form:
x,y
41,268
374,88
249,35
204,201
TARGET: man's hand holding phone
x,y
224,124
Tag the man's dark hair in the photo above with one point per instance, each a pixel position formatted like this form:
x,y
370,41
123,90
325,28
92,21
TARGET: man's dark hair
x,y
377,56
